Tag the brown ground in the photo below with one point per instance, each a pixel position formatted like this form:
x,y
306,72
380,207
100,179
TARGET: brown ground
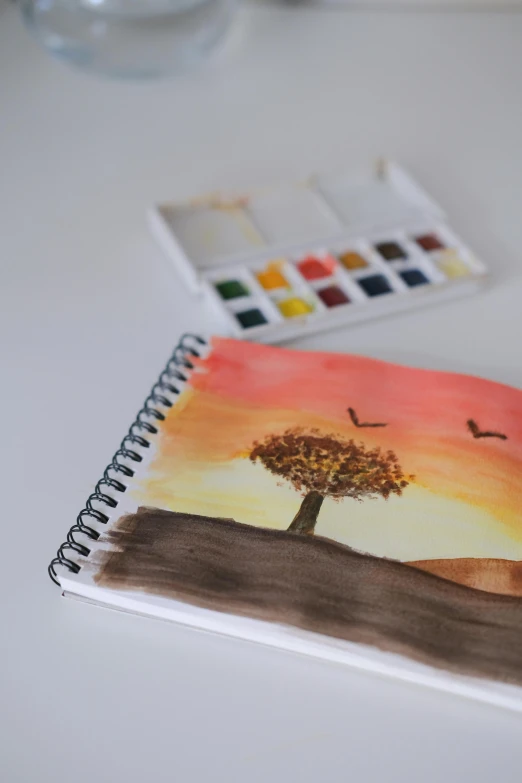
x,y
319,585
482,573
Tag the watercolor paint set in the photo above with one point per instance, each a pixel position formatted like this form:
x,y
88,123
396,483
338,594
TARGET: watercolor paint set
x,y
335,249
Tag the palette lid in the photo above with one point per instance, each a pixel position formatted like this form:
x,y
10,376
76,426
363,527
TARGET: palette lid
x,y
216,231
383,199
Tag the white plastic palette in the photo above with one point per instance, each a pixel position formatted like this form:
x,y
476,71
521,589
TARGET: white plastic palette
x,y
333,250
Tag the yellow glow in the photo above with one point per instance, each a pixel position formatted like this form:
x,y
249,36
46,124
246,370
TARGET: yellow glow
x,y
419,525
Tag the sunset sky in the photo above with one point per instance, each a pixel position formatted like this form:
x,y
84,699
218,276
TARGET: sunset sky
x,y
466,498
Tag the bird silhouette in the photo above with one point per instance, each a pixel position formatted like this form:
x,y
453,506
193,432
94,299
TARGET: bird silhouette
x,y
358,423
475,430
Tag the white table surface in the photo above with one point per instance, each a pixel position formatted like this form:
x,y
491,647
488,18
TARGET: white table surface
x,y
90,311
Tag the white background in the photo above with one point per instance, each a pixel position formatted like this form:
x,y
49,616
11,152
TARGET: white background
x,y
91,310
441,5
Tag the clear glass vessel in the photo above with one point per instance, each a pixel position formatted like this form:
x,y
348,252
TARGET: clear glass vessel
x,y
129,38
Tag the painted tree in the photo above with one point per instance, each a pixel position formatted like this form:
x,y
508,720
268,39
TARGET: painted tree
x,y
320,466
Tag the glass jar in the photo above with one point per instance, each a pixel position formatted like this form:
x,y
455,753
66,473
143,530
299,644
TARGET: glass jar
x,y
129,38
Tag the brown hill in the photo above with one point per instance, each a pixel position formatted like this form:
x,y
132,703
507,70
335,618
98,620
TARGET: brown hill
x,y
316,584
481,573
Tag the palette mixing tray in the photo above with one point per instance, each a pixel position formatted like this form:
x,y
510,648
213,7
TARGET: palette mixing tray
x,y
335,249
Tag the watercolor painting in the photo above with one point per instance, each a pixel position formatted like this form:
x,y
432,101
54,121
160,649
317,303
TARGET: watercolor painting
x,y
339,494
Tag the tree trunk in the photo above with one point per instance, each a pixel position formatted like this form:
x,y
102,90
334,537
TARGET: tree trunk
x,y
305,519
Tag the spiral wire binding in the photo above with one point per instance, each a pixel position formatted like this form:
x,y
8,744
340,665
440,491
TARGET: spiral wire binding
x,y
144,425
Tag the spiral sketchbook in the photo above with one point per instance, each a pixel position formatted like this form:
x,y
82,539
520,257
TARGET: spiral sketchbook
x,y
333,505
